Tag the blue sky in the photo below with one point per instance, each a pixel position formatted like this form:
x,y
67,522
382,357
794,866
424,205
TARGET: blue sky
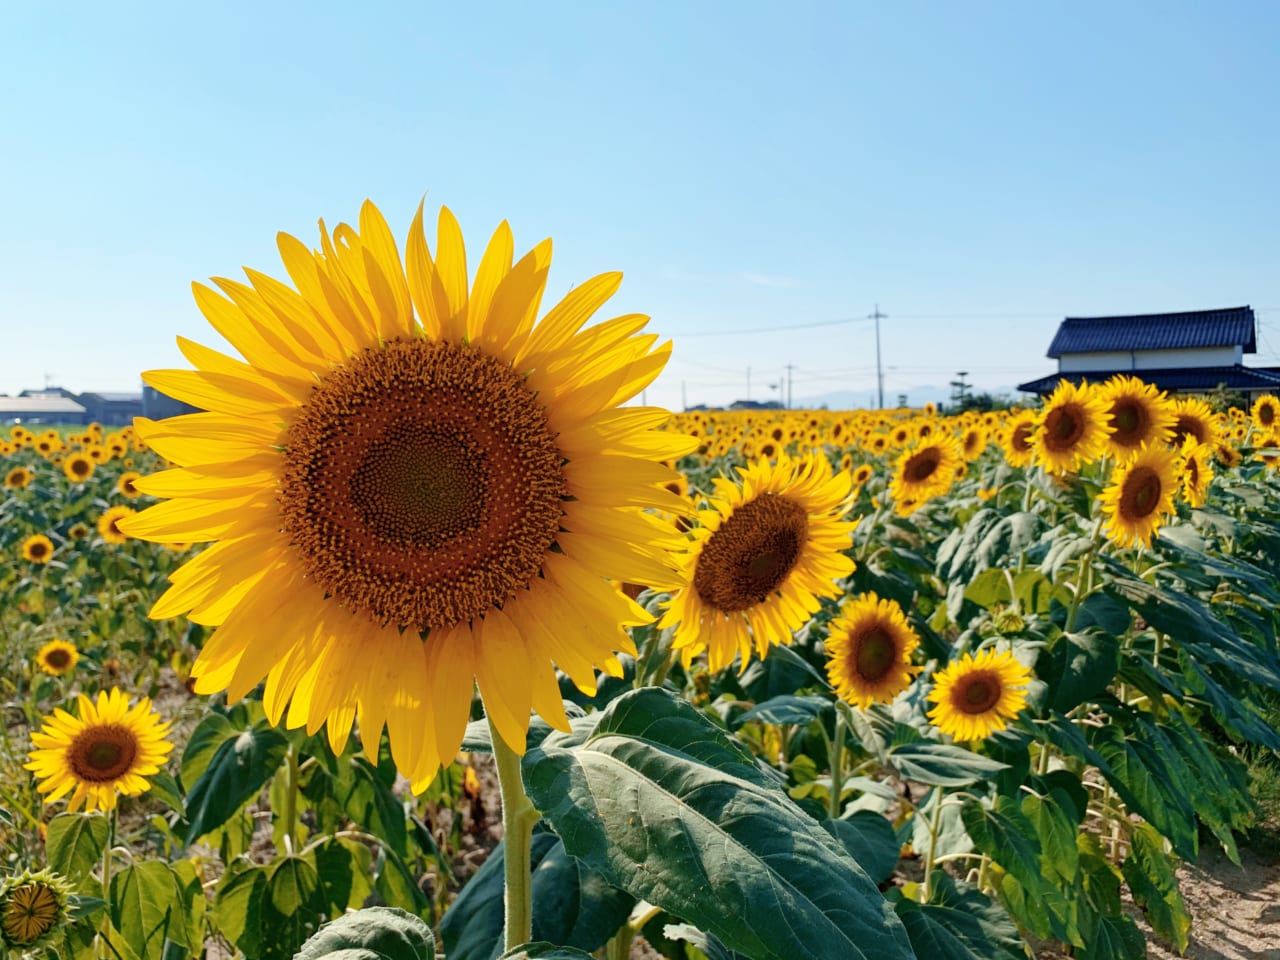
x,y
979,170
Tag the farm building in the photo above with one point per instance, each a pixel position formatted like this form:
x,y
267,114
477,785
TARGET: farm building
x,y
34,407
1190,352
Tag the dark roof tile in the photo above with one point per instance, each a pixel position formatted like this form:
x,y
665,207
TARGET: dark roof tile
x,y
1157,331
1175,378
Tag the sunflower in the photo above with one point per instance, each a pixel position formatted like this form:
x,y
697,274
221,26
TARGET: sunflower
x,y
33,905
1195,418
78,467
1017,440
977,695
869,647
1265,412
19,478
109,524
57,657
1071,429
125,485
1138,414
1197,471
108,750
861,474
764,554
1140,495
78,531
924,470
411,486
37,548
973,441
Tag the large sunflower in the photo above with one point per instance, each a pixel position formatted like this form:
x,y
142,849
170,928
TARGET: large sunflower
x,y
108,750
57,657
924,470
1265,412
869,647
978,695
762,557
411,487
1140,495
1138,413
1071,429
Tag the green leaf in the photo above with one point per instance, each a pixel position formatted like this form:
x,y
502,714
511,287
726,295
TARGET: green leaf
x,y
344,869
942,764
788,708
238,909
1116,938
959,923
75,843
1153,879
711,947
1057,835
871,841
375,933
1079,667
1104,610
666,807
149,906
370,802
230,764
541,950
293,883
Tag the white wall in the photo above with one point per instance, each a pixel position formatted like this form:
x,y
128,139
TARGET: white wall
x,y
1150,359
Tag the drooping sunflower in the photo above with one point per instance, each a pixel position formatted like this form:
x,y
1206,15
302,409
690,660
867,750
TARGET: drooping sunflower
x,y
107,751
1140,495
1138,414
978,695
764,554
37,548
125,486
109,524
924,470
78,467
1071,428
1197,471
869,647
410,486
1017,439
19,478
33,906
57,657
1265,413
1195,418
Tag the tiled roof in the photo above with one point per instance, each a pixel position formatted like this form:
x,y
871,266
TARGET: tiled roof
x,y
1176,378
1229,327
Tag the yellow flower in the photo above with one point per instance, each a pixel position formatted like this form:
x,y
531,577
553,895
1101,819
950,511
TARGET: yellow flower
x,y
410,486
1017,441
1140,495
1197,471
32,908
108,750
125,485
978,695
1194,417
869,647
37,548
861,474
1138,414
18,478
924,470
78,531
764,554
973,441
109,524
1265,413
1071,429
57,657
78,467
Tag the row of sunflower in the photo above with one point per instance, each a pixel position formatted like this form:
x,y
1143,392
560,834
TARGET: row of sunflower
x,y
942,679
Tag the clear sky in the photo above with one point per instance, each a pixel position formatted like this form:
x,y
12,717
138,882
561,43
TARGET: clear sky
x,y
978,169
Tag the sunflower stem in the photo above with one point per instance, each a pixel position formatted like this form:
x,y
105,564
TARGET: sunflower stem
x,y
837,771
1086,565
108,851
935,827
518,818
291,799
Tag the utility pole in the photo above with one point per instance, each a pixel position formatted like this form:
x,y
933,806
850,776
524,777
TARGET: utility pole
x,y
684,395
790,367
877,316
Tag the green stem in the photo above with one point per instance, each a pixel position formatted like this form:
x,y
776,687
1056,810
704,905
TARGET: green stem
x,y
1086,565
291,799
108,852
935,827
518,818
837,772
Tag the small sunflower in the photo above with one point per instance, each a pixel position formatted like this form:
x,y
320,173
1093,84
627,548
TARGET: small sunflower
x,y
125,485
33,906
19,478
869,647
108,524
1197,471
78,531
1017,440
78,467
1071,429
1138,413
1265,412
924,470
1195,418
861,474
57,657
764,554
108,750
973,441
977,695
1140,495
37,548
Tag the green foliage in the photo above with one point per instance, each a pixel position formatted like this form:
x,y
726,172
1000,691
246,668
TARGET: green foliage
x,y
375,933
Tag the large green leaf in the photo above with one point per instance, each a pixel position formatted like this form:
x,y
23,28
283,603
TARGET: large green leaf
x,y
870,839
788,708
541,950
665,806
375,933
344,868
227,761
1079,667
369,800
1153,879
942,764
149,906
1116,938
75,843
959,923
711,947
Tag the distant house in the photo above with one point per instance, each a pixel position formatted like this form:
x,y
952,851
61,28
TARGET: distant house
x,y
41,407
1191,352
112,409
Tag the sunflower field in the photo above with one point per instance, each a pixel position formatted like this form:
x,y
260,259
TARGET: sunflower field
x,y
420,642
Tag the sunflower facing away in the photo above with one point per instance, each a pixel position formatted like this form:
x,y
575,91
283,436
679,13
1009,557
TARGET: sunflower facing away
x,y
763,555
108,750
978,695
411,486
869,647
37,548
1140,495
1138,414
33,905
1071,429
57,657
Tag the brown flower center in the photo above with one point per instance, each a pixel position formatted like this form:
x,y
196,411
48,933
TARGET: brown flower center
x,y
1063,427
1266,414
922,465
103,753
422,484
80,467
1140,494
1020,439
977,692
875,654
58,659
752,553
38,550
1189,425
1132,422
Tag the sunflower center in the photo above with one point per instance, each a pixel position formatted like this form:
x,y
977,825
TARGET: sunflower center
x,y
58,659
80,467
1266,414
1141,493
38,550
103,753
876,654
1063,427
1131,420
30,912
921,466
977,692
1021,438
1189,426
752,553
422,484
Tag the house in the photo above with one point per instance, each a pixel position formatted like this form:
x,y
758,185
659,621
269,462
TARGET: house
x,y
41,407
1195,351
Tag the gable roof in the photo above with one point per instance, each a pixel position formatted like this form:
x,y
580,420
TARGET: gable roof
x,y
1233,326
